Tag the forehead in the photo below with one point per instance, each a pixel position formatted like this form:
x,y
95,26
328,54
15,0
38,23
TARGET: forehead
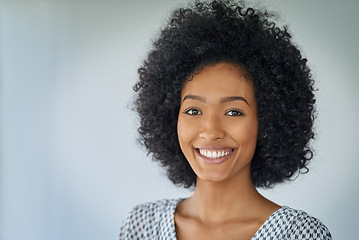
x,y
220,79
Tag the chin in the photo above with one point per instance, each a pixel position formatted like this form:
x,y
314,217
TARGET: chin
x,y
213,177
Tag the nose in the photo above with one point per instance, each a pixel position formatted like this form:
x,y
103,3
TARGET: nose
x,y
211,128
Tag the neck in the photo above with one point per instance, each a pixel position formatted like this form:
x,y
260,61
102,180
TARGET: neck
x,y
220,201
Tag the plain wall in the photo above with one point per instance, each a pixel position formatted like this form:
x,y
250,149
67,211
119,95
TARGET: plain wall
x,y
70,165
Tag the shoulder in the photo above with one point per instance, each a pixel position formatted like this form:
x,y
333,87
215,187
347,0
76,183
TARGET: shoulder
x,y
152,210
300,225
143,220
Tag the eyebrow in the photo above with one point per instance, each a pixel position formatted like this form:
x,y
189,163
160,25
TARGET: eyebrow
x,y
235,98
223,100
195,97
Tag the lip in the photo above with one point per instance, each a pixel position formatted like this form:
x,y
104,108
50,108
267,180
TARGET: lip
x,y
215,160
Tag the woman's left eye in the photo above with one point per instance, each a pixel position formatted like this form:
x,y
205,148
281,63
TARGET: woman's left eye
x,y
234,112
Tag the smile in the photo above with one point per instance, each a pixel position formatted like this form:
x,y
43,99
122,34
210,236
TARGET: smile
x,y
212,156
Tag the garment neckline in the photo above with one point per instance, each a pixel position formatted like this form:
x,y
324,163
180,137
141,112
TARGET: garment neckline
x,y
176,202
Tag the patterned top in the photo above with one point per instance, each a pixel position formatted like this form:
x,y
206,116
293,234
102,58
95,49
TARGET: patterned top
x,y
156,221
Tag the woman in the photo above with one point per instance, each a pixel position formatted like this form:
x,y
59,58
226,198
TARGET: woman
x,y
226,105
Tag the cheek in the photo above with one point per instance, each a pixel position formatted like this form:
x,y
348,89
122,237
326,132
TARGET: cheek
x,y
247,134
181,131
186,133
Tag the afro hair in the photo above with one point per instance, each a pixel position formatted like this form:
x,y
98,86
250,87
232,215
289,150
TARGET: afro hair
x,y
227,31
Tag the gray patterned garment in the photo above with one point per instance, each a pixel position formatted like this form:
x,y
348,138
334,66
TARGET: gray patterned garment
x,y
156,221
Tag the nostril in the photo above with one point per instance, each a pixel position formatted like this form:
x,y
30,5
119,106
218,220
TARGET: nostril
x,y
212,135
212,132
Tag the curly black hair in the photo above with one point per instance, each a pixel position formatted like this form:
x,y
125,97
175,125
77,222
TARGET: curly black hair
x,y
227,31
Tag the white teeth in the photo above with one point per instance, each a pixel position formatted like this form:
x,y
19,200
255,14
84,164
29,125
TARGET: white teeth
x,y
214,154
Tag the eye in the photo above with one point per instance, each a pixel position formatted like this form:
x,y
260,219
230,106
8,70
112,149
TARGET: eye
x,y
235,112
192,112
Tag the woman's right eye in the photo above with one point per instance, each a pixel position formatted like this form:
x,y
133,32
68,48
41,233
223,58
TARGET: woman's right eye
x,y
192,112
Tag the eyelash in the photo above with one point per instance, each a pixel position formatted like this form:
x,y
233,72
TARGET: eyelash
x,y
239,112
189,111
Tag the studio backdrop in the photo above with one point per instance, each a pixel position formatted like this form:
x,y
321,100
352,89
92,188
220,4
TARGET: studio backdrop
x,y
70,164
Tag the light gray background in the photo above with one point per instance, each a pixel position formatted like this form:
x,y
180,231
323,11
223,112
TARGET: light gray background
x,y
70,165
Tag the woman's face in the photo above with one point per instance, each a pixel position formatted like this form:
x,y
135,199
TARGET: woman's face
x,y
217,123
